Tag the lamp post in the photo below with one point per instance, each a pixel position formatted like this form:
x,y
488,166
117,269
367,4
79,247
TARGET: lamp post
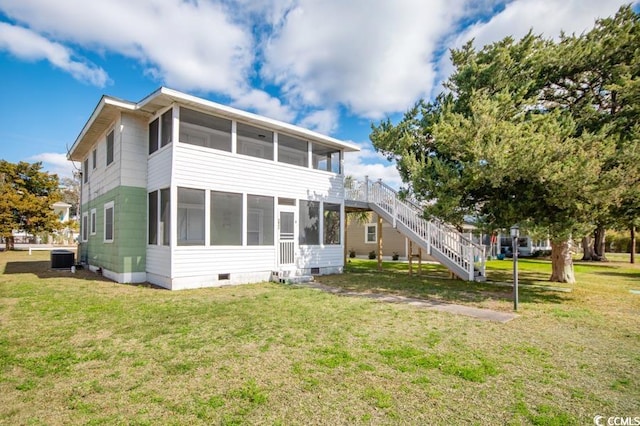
x,y
515,234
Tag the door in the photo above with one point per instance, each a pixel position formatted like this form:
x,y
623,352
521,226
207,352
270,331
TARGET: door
x,y
286,235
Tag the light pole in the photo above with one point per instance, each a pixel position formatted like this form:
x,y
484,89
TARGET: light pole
x,y
515,234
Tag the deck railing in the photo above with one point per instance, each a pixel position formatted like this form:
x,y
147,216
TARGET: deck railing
x,y
440,239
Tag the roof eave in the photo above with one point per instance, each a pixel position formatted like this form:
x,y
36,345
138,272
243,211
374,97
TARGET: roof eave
x,y
105,103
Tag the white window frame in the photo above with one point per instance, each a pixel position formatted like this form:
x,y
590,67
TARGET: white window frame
x,y
92,222
94,158
85,227
366,233
107,206
85,170
112,133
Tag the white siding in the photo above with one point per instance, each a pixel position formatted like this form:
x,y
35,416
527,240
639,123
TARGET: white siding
x,y
159,260
129,166
320,256
195,261
197,167
202,168
159,169
132,141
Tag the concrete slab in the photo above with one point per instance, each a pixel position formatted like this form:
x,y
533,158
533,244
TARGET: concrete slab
x,y
478,313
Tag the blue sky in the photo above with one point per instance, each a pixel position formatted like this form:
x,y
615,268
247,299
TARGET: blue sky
x,y
334,66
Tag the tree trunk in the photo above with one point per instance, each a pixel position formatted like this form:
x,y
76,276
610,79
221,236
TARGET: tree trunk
x,y
633,245
561,263
587,249
9,243
599,244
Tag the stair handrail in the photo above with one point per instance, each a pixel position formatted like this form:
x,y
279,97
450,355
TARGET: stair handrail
x,y
388,198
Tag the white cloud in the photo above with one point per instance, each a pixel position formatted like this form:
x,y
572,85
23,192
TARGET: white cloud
x,y
191,46
368,162
28,45
264,104
57,163
322,121
368,57
373,57
545,17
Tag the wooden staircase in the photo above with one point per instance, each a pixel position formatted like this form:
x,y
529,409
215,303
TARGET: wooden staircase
x,y
444,243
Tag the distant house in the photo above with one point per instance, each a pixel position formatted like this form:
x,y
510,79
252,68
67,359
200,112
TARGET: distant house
x,y
362,238
61,210
183,193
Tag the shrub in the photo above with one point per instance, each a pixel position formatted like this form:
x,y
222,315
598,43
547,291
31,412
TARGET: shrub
x,y
372,254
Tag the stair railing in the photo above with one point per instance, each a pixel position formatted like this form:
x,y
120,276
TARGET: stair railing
x,y
447,240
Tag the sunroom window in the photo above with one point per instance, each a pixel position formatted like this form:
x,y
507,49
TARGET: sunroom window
x,y
326,158
254,141
197,128
293,151
309,231
190,217
226,219
331,223
259,220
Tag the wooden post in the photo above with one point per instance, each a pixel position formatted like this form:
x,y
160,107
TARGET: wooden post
x,y
379,243
632,256
419,260
410,256
346,252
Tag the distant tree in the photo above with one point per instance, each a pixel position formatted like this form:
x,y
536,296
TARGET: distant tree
x,y
26,197
70,189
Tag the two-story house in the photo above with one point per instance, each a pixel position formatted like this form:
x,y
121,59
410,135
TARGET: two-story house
x,y
183,193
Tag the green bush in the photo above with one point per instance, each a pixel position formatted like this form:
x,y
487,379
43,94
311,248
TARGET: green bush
x,y
619,242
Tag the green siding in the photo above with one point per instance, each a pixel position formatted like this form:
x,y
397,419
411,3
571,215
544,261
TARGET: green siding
x,y
128,250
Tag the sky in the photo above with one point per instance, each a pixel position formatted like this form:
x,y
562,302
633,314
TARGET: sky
x,y
333,66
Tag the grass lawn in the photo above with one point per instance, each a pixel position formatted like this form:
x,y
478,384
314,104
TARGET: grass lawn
x,y
77,349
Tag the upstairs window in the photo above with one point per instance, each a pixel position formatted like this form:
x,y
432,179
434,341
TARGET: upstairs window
x,y
197,128
254,141
85,171
167,128
325,158
154,134
94,158
293,151
160,131
110,148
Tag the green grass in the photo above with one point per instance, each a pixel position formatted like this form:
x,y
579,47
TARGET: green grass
x,y
78,349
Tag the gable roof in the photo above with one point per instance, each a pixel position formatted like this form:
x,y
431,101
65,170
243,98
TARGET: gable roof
x,y
109,108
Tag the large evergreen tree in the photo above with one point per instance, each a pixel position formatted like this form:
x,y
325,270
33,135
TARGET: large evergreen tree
x,y
596,76
26,196
518,137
